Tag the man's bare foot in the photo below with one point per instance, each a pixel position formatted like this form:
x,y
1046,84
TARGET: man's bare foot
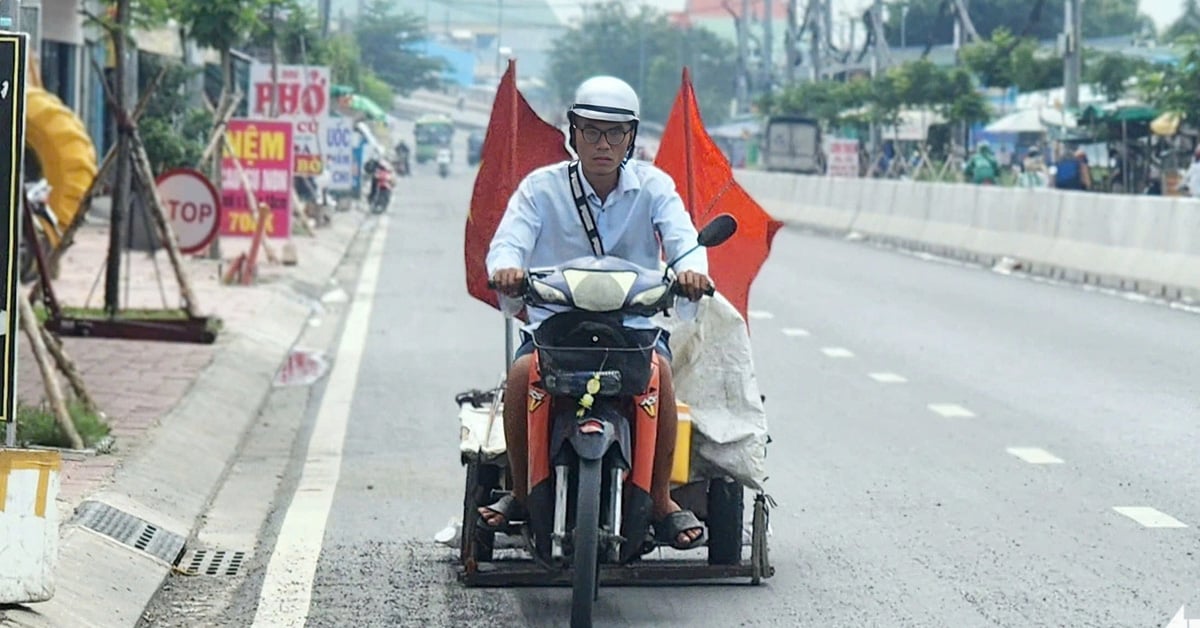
x,y
685,537
501,513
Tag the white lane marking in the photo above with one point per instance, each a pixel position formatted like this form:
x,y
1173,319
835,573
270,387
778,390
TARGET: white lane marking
x,y
760,314
287,586
888,378
837,352
795,332
950,410
1150,517
1034,455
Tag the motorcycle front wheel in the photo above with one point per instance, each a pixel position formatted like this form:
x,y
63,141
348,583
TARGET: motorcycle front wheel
x,y
586,547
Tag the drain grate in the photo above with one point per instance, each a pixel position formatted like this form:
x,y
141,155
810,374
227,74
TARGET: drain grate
x,y
212,563
130,530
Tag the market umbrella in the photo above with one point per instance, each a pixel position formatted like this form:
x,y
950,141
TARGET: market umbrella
x,y
1032,121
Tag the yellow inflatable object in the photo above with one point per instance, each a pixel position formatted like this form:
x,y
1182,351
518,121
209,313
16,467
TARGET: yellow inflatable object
x,y
64,149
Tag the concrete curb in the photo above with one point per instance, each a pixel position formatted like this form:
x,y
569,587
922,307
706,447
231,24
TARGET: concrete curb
x,y
170,480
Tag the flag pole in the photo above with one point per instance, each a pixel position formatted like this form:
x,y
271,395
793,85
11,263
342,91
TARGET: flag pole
x,y
687,97
512,177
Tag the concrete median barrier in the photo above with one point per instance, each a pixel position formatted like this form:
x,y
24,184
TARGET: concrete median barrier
x,y
1149,244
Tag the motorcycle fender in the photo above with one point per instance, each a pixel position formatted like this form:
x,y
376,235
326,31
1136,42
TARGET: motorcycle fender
x,y
593,446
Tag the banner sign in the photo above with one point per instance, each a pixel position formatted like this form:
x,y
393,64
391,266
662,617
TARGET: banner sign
x,y
301,96
842,159
339,153
266,152
13,50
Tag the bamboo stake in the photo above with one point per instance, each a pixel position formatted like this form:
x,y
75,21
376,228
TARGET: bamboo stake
x,y
85,203
251,197
54,394
67,367
143,171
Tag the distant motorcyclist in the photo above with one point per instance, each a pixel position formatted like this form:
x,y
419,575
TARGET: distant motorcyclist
x,y
402,157
634,213
982,168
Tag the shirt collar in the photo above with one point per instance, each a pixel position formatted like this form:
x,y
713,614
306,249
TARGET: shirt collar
x,y
628,181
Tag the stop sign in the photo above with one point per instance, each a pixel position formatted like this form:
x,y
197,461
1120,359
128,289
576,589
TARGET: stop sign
x,y
193,207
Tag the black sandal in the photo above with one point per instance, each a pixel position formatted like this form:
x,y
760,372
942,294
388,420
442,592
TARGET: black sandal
x,y
507,507
668,529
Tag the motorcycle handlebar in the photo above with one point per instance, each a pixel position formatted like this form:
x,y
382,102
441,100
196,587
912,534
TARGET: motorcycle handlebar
x,y
708,292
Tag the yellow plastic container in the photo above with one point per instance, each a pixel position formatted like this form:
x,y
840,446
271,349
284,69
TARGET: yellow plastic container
x,y
680,468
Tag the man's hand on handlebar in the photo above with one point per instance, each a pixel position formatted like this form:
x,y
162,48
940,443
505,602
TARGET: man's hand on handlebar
x,y
509,281
693,285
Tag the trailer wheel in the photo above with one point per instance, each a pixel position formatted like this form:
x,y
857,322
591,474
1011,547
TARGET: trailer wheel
x,y
475,543
724,522
760,561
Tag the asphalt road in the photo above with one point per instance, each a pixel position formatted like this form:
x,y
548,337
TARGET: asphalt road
x,y
951,448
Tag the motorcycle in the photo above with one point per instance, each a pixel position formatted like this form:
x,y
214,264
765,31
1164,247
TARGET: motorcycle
x,y
37,196
384,180
592,404
443,163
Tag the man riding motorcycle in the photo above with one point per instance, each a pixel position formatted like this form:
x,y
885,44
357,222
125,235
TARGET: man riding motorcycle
x,y
632,206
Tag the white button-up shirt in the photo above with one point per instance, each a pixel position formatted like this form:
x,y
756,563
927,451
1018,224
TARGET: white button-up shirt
x,y
541,225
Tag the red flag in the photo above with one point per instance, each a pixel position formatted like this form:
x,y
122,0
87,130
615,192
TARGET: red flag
x,y
705,181
517,143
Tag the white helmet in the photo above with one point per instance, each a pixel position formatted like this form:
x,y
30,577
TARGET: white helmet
x,y
606,98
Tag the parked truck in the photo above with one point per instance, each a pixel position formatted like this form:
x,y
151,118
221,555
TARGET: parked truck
x,y
793,144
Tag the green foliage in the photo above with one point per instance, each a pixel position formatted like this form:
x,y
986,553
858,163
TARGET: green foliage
x,y
219,24
1111,72
917,84
36,425
392,40
1003,60
173,131
645,50
931,19
1174,87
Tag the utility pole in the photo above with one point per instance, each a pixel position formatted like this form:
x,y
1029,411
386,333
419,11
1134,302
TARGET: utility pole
x,y
1072,57
789,43
325,10
499,29
816,36
768,60
743,82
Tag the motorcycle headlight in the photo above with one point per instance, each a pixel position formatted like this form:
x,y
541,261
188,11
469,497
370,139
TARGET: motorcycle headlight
x,y
599,291
649,297
549,293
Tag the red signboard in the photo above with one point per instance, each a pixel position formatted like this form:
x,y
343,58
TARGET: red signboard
x,y
265,150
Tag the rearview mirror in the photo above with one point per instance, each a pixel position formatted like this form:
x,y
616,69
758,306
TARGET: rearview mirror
x,y
717,231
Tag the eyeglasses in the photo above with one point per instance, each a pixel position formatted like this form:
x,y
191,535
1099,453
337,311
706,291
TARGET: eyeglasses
x,y
614,134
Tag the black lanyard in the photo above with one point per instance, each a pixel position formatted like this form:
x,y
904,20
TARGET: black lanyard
x,y
585,211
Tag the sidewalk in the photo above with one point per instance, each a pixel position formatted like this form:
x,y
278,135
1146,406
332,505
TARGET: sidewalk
x,y
177,411
135,383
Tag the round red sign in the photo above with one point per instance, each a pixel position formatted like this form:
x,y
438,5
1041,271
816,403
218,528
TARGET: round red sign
x,y
193,207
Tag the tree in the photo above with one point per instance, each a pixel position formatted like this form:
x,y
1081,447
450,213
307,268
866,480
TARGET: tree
x,y
916,84
220,25
1111,73
1174,87
1004,60
300,42
392,40
1188,23
649,53
174,133
933,21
